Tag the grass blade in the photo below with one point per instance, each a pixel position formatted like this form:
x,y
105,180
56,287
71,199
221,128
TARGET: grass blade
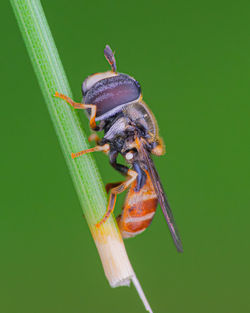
x,y
86,178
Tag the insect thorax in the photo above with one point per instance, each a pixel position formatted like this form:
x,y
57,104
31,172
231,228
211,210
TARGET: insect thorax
x,y
134,120
141,115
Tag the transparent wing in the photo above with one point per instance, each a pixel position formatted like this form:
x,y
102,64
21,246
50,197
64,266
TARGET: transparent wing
x,y
162,198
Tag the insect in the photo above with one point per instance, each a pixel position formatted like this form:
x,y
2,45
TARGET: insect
x,y
114,100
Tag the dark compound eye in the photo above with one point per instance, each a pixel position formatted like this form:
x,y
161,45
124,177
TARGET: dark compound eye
x,y
138,84
91,80
110,93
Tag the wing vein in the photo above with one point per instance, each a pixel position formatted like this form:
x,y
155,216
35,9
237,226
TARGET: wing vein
x,y
162,199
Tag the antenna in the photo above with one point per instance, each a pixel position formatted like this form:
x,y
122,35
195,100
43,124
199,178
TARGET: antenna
x,y
109,55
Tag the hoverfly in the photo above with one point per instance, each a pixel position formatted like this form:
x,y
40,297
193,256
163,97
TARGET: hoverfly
x,y
115,101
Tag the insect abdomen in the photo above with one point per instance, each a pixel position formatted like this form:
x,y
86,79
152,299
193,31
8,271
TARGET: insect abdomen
x,y
138,211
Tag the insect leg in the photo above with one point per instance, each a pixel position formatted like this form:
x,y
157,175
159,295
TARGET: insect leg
x,y
94,137
104,148
119,167
83,106
141,178
109,186
113,194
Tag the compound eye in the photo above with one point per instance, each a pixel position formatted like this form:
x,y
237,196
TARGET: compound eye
x,y
91,80
138,84
111,93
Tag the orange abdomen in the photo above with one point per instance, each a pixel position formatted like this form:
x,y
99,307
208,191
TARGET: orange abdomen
x,y
139,209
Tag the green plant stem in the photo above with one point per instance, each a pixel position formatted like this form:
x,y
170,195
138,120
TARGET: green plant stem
x,y
83,170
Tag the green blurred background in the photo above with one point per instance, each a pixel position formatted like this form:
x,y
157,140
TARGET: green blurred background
x,y
192,59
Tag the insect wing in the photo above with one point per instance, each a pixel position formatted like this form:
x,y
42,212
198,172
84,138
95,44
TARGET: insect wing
x,y
162,199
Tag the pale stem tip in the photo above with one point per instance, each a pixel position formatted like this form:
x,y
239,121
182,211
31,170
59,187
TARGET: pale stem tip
x,y
141,293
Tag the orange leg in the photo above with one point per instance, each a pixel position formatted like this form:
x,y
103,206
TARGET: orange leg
x,y
109,186
104,148
83,106
113,194
94,137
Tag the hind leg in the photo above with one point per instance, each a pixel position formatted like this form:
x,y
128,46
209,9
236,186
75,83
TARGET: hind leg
x,y
110,186
113,194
